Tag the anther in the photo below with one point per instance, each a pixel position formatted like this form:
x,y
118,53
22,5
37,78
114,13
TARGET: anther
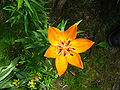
x,y
68,49
69,42
71,54
64,54
62,43
60,50
73,48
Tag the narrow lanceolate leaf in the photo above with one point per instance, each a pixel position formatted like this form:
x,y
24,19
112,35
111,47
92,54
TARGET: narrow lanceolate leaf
x,y
25,22
63,24
43,2
78,22
19,3
5,83
5,72
9,8
29,6
80,31
37,3
12,18
103,44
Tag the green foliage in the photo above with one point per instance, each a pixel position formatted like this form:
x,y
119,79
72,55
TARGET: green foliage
x,y
27,14
80,31
103,44
33,62
6,73
35,39
77,23
7,37
62,25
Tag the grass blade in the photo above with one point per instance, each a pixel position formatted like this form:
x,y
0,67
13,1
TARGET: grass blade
x,y
19,3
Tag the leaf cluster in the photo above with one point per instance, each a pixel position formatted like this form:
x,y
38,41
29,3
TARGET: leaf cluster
x,y
27,13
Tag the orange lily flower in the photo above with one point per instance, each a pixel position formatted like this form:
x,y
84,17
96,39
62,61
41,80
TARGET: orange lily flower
x,y
65,48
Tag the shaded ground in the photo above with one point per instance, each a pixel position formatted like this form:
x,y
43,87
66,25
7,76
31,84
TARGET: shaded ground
x,y
102,65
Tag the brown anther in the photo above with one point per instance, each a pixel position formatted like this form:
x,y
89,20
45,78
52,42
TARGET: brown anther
x,y
69,42
71,54
64,54
60,50
73,48
62,43
68,49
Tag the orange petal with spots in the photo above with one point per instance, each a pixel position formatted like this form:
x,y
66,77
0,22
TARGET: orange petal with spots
x,y
71,32
51,52
81,45
55,35
61,64
74,59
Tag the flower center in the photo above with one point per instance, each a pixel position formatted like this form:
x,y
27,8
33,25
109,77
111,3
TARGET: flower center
x,y
64,48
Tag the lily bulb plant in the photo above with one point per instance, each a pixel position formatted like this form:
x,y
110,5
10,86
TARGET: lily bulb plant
x,y
65,48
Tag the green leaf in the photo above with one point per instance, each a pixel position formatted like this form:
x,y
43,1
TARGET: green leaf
x,y
14,21
78,22
42,50
5,83
36,24
19,3
29,6
103,44
62,25
43,2
26,22
28,46
12,18
44,31
5,72
9,8
38,4
36,16
21,74
21,40
2,67
36,34
80,31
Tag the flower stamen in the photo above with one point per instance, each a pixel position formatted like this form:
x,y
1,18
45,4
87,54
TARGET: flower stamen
x,y
71,54
64,48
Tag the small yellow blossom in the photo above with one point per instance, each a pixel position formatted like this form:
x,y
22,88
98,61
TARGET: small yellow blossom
x,y
15,82
31,84
36,77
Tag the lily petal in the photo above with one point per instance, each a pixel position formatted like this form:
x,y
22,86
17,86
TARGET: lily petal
x,y
61,64
51,52
71,32
55,35
81,45
74,59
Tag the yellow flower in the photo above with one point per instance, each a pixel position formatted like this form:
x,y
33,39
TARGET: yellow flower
x,y
36,77
65,48
31,84
15,82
